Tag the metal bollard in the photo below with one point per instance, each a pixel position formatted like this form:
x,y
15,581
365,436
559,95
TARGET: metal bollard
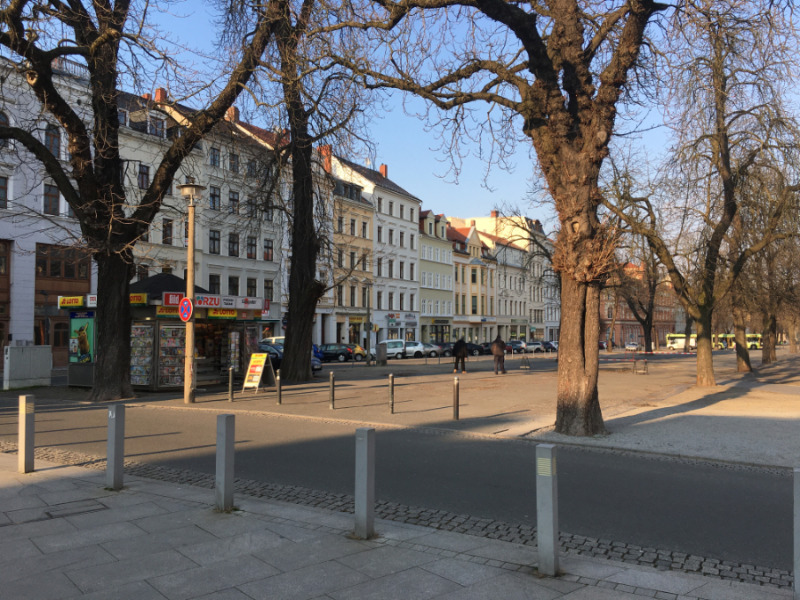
x,y
547,509
26,432
278,385
230,384
333,391
365,483
223,480
796,562
455,398
115,453
391,394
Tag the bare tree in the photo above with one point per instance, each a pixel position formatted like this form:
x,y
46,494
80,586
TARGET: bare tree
x,y
554,71
100,36
729,59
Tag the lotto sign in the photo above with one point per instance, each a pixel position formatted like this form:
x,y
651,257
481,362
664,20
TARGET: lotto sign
x,y
185,309
258,363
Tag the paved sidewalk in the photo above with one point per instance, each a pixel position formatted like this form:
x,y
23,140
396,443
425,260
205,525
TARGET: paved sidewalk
x,y
62,536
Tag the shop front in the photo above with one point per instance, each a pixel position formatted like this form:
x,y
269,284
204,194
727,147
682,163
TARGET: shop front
x,y
435,331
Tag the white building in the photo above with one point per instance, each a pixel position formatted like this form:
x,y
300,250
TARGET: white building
x,y
395,292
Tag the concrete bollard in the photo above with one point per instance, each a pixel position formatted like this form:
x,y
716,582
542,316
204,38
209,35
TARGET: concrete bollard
x,y
223,482
796,530
26,432
391,394
333,391
278,386
230,384
365,483
115,453
547,509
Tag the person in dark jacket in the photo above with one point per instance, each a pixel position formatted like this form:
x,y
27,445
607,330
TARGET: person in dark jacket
x,y
499,353
460,354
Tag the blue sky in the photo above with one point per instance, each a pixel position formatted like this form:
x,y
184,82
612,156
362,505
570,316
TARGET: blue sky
x,y
404,146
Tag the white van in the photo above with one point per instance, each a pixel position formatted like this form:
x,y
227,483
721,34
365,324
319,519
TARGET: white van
x,y
394,348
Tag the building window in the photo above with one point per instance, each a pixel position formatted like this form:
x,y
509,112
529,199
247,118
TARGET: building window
x,y
411,214
364,296
4,122
391,208
364,229
214,241
3,258
268,212
339,295
214,198
50,199
252,208
52,140
380,204
379,267
252,284
3,192
57,261
474,305
340,225
391,236
233,286
402,270
402,238
402,211
213,157
352,260
402,301
391,269
268,289
213,284
157,127
365,261
251,247
380,234
233,163
378,300
143,178
353,227
352,295
411,302
390,299
411,273
268,250
474,275
411,241
233,203
233,244
166,232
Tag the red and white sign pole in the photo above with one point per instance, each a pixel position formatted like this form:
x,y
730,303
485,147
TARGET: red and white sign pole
x,y
191,192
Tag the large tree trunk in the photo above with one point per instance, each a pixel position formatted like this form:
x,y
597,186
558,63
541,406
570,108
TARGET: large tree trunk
x,y
687,332
769,338
740,333
112,375
705,356
578,402
794,330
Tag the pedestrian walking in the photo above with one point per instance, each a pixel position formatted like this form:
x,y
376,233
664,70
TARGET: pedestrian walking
x,y
460,354
499,353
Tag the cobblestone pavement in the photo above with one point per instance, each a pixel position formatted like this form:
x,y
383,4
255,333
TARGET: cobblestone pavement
x,y
446,521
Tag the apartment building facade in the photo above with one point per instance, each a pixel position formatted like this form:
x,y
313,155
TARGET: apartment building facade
x,y
436,273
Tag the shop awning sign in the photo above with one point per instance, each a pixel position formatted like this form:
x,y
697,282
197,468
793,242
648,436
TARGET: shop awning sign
x,y
172,298
70,301
222,313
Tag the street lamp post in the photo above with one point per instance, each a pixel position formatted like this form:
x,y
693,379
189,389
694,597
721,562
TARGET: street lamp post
x,y
191,192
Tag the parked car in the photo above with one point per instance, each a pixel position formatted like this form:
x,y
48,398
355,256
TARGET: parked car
x,y
358,352
549,347
474,349
554,343
338,352
432,350
274,340
632,346
447,348
414,349
487,347
535,347
602,345
316,364
394,348
275,354
516,347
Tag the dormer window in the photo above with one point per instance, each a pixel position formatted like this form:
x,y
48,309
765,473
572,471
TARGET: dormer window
x,y
157,127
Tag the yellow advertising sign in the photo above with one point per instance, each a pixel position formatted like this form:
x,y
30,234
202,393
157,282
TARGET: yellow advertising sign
x,y
222,313
170,312
254,371
138,299
70,301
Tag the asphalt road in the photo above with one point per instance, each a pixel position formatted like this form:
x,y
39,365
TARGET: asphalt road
x,y
743,515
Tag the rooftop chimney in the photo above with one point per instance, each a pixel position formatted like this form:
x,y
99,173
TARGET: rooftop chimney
x,y
326,153
384,171
232,114
146,97
472,223
494,214
161,95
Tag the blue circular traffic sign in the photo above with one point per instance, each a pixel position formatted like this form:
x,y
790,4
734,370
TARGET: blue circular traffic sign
x,y
185,309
